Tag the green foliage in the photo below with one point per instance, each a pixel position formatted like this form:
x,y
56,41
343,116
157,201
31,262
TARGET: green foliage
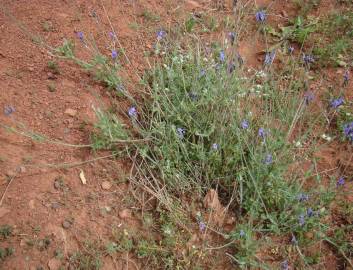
x,y
89,258
298,30
5,231
53,66
333,44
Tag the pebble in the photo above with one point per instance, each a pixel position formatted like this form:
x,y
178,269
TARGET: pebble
x,y
106,185
125,214
71,112
66,224
57,184
55,205
51,76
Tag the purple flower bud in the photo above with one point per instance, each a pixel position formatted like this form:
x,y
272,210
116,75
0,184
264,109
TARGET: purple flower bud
x,y
260,16
180,133
309,212
202,226
262,133
245,124
161,34
301,220
215,146
112,35
284,265
290,50
232,36
337,102
114,54
9,110
80,35
132,112
308,59
348,131
268,159
222,56
340,182
269,58
308,97
302,197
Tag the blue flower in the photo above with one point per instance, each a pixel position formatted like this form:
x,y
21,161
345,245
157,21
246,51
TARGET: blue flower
x,y
161,34
202,226
215,146
241,233
302,197
348,131
9,110
132,112
284,265
309,212
290,49
222,56
308,97
114,54
244,124
180,132
337,102
262,133
340,182
308,59
270,57
260,16
80,35
301,220
268,159
232,36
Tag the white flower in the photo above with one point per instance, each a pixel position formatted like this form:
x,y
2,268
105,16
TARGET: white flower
x,y
326,137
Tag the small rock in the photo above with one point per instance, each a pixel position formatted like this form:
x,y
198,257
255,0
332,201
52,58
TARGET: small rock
x,y
22,169
54,264
106,185
51,76
125,214
108,209
31,69
31,204
55,205
71,112
67,224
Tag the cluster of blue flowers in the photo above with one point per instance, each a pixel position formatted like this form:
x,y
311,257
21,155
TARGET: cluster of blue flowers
x,y
348,131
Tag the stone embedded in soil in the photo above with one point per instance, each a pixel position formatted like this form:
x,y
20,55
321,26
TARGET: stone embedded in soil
x,y
71,112
55,205
67,224
125,214
51,76
31,204
54,264
106,185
